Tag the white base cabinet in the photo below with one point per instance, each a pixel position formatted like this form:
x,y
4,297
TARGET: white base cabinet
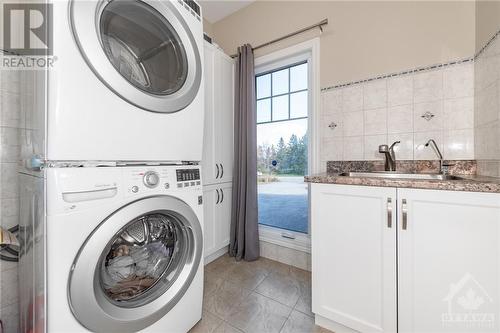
x,y
449,261
440,250
217,217
354,256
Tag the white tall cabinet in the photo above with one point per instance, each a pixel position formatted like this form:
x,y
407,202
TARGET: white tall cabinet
x,y
405,260
218,153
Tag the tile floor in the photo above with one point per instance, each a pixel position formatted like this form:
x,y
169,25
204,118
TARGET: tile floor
x,y
263,296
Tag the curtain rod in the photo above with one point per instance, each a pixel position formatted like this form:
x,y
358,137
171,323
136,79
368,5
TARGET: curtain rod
x,y
317,25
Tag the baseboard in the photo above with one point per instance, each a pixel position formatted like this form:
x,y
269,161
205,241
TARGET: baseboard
x,y
285,255
332,325
216,254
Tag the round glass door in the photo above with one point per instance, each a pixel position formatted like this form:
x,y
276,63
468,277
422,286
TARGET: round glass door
x,y
136,265
142,50
143,259
143,47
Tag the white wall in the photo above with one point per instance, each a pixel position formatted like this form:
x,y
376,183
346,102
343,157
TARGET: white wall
x,y
363,39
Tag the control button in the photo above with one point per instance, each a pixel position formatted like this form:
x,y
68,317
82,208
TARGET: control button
x,y
186,184
198,183
179,185
193,183
135,189
167,186
151,179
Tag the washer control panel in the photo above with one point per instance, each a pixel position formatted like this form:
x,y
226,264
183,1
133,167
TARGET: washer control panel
x,y
158,179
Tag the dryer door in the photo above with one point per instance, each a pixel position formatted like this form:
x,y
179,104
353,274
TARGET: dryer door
x,y
143,50
136,265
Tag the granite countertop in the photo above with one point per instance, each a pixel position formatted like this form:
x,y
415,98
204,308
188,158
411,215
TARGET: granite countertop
x,y
466,170
469,183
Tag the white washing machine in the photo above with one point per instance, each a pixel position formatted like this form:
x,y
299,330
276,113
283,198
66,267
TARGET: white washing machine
x,y
126,82
122,252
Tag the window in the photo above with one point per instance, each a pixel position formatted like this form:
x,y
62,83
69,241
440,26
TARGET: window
x,y
282,149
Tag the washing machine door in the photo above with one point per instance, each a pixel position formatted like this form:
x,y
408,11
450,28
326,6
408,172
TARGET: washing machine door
x,y
136,265
143,50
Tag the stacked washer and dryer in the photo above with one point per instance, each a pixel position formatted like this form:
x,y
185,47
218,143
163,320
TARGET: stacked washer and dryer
x,y
111,194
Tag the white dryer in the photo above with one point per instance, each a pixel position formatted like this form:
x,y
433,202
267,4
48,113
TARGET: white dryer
x,y
123,249
126,82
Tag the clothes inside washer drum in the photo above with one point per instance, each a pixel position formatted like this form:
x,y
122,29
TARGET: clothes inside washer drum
x,y
130,269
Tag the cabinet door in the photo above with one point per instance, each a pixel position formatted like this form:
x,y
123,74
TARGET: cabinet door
x,y
224,214
209,145
449,266
354,256
224,119
209,218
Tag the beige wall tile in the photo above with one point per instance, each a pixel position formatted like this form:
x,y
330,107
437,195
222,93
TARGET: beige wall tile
x,y
428,86
327,120
421,124
426,153
353,123
404,149
371,144
458,113
352,98
459,144
400,119
375,94
353,148
400,90
375,121
458,81
331,101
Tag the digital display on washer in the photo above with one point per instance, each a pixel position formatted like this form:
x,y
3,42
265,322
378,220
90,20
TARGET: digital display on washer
x,y
188,174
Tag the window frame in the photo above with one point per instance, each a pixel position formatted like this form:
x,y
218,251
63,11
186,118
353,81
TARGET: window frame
x,y
310,51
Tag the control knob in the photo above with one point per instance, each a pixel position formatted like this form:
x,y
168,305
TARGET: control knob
x,y
151,179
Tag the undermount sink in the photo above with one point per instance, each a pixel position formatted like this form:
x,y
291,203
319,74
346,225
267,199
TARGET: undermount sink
x,y
397,175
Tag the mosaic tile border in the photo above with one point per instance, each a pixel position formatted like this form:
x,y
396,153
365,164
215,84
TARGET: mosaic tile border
x,y
486,45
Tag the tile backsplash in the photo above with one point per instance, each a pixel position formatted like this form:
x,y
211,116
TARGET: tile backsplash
x,y
12,120
487,109
436,103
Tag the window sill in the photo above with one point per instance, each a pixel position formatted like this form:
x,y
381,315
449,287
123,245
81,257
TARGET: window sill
x,y
301,242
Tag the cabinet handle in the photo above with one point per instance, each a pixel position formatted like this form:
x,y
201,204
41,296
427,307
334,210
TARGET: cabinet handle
x,y
389,212
222,168
218,196
405,214
217,165
222,191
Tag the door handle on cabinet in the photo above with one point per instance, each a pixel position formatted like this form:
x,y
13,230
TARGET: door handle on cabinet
x,y
404,211
222,191
222,168
217,176
389,212
218,196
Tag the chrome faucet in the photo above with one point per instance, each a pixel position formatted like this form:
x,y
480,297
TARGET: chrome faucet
x,y
390,157
438,153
